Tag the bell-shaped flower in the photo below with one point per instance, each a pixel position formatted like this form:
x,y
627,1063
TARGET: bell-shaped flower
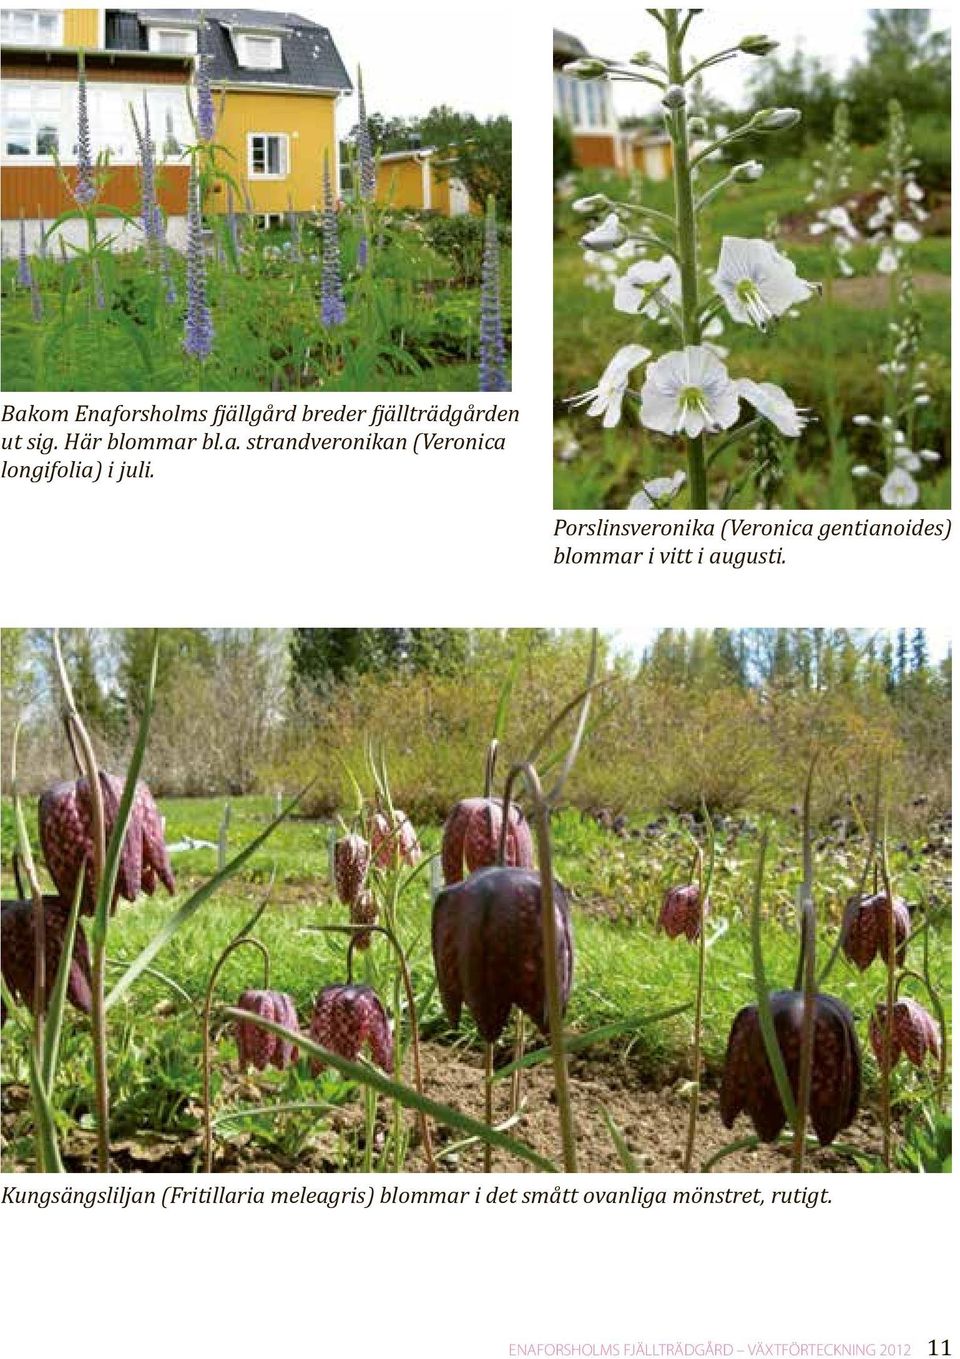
x,y
645,282
18,954
658,493
363,911
394,845
261,1048
774,405
688,391
756,282
865,929
607,236
471,837
914,1033
681,912
606,398
65,817
488,948
351,860
346,1018
900,490
748,1083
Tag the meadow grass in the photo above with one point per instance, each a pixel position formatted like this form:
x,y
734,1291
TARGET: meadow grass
x,y
624,967
610,465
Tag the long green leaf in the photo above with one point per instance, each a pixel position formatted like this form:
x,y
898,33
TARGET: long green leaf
x,y
764,1010
46,1122
577,1042
58,996
620,1142
506,692
374,1079
190,907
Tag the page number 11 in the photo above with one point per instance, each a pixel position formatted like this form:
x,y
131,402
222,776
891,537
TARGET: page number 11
x,y
939,1349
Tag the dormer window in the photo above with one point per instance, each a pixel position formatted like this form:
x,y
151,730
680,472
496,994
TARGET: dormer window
x,y
174,42
258,51
32,27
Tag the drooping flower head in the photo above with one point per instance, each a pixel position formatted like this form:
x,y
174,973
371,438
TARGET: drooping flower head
x,y
198,329
18,953
471,837
85,186
646,286
688,391
914,1033
351,860
749,1085
259,1047
394,845
363,911
606,398
333,310
865,929
681,912
493,371
346,1018
757,283
487,938
66,838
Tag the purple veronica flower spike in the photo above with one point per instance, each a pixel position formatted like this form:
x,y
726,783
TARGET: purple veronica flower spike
x,y
85,188
333,311
368,174
206,115
198,332
24,272
493,374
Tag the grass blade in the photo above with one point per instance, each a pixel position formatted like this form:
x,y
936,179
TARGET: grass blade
x,y
58,996
619,1141
577,1042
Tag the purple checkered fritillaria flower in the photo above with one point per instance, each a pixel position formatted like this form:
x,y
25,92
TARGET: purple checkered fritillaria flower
x,y
914,1033
865,930
471,837
66,838
493,371
487,936
749,1086
681,912
348,1017
198,329
85,185
18,953
259,1047
206,114
333,310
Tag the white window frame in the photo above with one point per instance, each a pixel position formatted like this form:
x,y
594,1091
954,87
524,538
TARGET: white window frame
x,y
34,117
156,32
243,51
6,18
284,139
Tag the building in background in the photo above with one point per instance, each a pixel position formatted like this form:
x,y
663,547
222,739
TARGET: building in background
x,y
419,178
276,79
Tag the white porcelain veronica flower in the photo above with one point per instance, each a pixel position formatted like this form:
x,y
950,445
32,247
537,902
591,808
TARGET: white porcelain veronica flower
x,y
906,233
907,459
688,391
756,282
900,489
633,294
607,236
774,405
658,493
913,190
889,261
606,398
839,219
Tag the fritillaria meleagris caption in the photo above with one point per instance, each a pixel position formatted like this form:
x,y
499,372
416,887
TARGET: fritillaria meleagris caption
x,y
259,1047
748,1083
488,947
914,1033
865,930
345,1017
471,837
681,913
351,859
396,846
65,817
18,952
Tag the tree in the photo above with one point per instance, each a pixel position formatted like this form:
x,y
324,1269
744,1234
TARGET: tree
x,y
479,154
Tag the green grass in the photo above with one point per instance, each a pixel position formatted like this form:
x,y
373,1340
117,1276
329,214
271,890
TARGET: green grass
x,y
623,966
610,466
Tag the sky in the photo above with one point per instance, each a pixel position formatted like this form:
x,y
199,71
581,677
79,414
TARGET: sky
x,y
836,35
414,59
634,641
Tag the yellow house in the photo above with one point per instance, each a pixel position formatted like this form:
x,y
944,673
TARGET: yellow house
x,y
276,79
419,178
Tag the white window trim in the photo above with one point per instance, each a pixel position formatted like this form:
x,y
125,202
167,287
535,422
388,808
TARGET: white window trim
x,y
35,38
263,174
181,31
241,40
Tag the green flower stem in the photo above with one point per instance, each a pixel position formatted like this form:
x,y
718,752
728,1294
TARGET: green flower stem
x,y
886,1065
231,948
732,439
703,888
487,1103
687,243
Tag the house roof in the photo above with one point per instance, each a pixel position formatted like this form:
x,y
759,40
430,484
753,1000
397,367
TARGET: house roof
x,y
309,54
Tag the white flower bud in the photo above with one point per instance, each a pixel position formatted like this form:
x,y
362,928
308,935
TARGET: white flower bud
x,y
586,68
747,172
757,45
675,97
593,203
775,120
